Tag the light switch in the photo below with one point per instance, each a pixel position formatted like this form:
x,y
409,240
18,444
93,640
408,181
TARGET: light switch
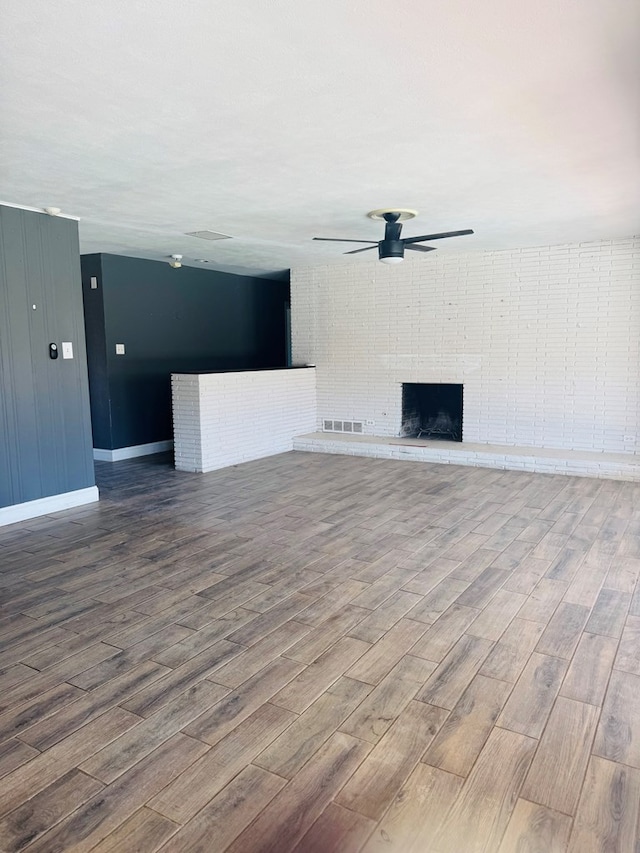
x,y
94,282
67,349
119,349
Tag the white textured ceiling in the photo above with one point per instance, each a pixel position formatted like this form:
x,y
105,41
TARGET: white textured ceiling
x,y
277,121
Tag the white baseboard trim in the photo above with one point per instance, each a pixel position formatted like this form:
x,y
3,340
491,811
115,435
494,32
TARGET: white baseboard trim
x,y
45,506
130,452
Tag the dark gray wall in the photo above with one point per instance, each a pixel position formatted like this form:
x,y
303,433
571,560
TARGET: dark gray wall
x,y
45,428
169,321
96,351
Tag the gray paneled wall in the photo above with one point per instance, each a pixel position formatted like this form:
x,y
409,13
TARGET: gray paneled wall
x,y
45,427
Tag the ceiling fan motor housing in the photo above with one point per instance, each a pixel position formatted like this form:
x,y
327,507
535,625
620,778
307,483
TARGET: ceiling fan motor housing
x,y
390,249
392,246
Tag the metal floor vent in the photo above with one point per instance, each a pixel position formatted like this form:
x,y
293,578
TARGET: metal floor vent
x,y
342,426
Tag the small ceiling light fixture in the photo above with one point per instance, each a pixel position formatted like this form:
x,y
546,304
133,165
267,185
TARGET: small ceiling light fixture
x,y
52,211
175,262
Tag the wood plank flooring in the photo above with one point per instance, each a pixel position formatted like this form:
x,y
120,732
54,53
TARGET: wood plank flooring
x,y
323,654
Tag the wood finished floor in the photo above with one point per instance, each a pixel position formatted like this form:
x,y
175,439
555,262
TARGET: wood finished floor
x,y
323,654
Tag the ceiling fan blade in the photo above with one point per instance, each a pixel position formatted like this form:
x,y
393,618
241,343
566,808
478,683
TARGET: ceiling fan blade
x,y
421,248
340,240
366,249
407,240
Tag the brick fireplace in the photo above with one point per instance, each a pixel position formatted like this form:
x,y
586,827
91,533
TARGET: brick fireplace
x,y
543,339
432,410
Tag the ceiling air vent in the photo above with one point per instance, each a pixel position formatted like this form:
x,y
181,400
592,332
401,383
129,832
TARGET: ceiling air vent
x,y
208,235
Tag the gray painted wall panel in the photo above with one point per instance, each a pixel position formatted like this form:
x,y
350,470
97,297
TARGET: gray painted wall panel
x,y
95,330
45,444
20,467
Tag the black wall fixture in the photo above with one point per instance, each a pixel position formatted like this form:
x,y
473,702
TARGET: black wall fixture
x,y
169,320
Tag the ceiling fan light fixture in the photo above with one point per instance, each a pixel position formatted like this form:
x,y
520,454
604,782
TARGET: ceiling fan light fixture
x,y
391,247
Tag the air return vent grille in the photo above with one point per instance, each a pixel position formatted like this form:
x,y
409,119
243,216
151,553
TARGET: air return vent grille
x,y
342,426
208,235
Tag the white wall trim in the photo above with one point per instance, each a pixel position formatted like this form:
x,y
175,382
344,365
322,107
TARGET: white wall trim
x,y
130,452
45,506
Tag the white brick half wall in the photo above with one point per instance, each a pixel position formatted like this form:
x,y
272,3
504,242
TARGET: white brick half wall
x,y
222,419
545,341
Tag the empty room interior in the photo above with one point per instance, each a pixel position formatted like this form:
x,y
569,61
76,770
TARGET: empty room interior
x,y
319,407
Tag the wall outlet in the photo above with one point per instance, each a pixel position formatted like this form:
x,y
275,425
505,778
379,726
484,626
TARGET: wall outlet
x,y
119,349
67,349
370,423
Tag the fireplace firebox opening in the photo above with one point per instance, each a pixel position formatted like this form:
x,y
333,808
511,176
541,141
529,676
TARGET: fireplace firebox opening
x,y
432,411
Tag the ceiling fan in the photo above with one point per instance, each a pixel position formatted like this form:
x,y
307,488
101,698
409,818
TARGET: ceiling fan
x,y
391,248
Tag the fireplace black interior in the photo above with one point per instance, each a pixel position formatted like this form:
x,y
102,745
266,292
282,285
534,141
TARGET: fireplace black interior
x,y
432,411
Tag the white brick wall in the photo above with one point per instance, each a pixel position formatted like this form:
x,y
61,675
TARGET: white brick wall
x,y
545,340
222,419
